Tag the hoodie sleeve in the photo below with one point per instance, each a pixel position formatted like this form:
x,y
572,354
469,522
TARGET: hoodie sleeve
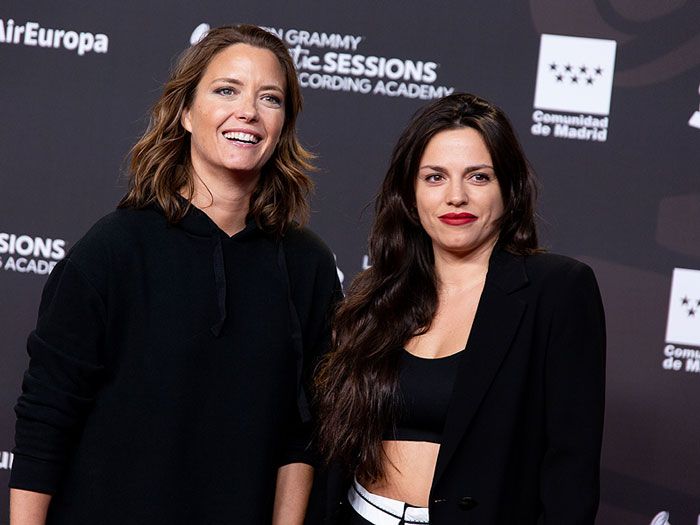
x,y
315,290
62,378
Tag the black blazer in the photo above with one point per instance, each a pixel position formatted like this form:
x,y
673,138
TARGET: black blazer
x,y
522,439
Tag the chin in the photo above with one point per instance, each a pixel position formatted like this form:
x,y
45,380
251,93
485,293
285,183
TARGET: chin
x,y
463,248
243,167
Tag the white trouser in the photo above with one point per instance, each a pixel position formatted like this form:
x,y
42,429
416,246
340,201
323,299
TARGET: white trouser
x,y
384,511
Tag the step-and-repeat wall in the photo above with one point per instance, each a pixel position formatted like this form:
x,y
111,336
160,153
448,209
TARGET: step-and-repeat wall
x,y
603,93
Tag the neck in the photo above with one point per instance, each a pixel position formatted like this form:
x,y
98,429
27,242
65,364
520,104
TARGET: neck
x,y
224,198
458,272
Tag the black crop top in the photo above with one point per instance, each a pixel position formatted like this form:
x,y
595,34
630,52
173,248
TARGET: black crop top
x,y
425,386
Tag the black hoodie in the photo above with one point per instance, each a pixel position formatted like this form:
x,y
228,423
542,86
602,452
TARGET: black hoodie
x,y
168,371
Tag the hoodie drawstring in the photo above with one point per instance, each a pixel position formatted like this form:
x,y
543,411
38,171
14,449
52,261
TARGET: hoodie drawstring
x,y
220,283
294,322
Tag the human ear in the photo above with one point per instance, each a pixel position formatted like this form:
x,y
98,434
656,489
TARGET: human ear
x,y
185,121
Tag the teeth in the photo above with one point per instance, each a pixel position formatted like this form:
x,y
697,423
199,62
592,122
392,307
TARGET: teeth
x,y
242,137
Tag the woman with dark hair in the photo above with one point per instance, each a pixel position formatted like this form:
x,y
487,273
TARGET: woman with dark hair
x,y
169,365
466,377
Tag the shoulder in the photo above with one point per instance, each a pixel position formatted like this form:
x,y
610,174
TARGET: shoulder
x,y
311,265
560,281
552,268
126,223
304,246
113,238
118,227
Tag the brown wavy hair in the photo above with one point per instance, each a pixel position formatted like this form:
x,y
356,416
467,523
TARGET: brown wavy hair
x,y
160,166
396,298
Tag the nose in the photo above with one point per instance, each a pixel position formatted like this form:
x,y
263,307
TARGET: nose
x,y
247,109
456,192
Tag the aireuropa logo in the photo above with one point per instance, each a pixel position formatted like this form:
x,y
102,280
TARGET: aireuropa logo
x,y
30,254
574,75
331,61
34,35
695,117
683,325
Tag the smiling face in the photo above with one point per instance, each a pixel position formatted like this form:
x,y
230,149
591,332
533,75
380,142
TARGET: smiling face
x,y
458,197
237,113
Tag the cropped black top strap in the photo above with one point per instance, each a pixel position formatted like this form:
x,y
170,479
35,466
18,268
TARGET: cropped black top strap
x,y
425,386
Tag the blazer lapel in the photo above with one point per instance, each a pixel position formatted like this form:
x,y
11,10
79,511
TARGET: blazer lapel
x,y
495,324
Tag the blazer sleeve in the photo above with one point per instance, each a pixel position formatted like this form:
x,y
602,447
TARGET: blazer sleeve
x,y
575,399
61,381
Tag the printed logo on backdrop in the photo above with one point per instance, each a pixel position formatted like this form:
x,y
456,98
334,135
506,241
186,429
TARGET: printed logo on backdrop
x,y
341,275
661,35
6,459
30,254
573,87
336,62
366,263
682,349
663,517
34,34
199,32
695,117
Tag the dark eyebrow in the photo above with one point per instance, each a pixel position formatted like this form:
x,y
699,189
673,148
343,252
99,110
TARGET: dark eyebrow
x,y
468,169
236,82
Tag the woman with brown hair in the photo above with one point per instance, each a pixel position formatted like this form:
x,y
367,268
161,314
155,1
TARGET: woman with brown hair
x,y
169,365
465,381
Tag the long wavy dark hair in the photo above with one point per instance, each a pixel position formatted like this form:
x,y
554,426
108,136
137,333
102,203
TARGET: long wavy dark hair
x,y
160,166
396,298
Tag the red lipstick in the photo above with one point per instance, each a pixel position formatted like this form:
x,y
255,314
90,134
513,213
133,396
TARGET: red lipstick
x,y
457,219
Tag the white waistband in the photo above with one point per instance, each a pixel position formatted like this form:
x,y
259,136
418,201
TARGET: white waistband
x,y
384,511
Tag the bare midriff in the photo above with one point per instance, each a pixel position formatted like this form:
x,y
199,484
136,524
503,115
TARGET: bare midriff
x,y
409,467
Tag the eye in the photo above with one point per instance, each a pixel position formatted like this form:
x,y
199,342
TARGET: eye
x,y
273,100
480,177
434,177
225,91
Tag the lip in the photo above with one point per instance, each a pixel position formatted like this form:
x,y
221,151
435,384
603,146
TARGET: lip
x,y
457,219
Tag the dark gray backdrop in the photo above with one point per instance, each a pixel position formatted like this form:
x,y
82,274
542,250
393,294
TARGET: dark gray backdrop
x,y
628,206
